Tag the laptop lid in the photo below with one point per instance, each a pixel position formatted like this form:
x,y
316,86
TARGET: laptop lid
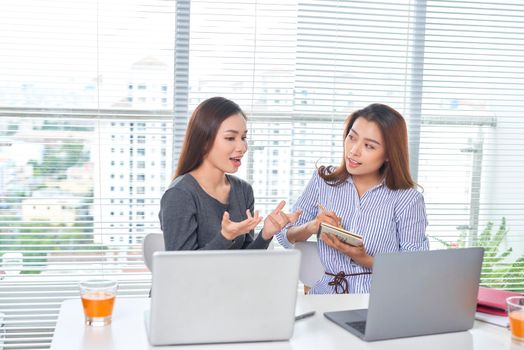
x,y
419,293
223,296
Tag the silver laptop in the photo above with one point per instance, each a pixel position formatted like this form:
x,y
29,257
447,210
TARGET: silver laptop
x,y
417,293
222,296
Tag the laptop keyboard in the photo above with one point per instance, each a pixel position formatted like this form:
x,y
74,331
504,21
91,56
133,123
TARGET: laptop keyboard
x,y
359,326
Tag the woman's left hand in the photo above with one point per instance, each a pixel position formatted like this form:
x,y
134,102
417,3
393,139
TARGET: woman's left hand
x,y
358,254
277,220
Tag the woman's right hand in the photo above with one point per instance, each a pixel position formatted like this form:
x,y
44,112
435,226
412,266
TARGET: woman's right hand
x,y
326,216
304,231
231,230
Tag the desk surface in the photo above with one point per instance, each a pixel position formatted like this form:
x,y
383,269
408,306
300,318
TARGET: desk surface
x,y
128,331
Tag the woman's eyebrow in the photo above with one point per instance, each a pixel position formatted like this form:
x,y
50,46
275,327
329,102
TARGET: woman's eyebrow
x,y
366,138
371,140
235,131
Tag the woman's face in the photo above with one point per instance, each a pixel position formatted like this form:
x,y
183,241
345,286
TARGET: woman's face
x,y
230,145
364,149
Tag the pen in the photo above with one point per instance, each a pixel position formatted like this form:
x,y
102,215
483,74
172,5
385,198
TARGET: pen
x,y
339,220
304,315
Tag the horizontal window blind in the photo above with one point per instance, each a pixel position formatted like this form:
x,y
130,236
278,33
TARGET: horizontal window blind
x,y
96,95
86,125
470,160
454,69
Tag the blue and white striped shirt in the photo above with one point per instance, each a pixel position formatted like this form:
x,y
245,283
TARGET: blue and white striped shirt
x,y
389,221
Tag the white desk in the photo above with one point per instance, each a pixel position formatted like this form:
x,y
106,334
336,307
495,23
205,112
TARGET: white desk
x,y
128,331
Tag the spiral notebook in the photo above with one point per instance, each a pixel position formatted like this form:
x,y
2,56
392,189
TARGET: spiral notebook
x,y
348,237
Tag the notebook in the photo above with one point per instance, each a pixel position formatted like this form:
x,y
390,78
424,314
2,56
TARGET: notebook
x,y
417,293
346,236
222,296
493,301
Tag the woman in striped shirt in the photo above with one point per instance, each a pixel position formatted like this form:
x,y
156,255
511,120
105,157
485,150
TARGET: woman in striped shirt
x,y
371,193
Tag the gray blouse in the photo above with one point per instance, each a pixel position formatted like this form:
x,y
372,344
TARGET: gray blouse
x,y
191,219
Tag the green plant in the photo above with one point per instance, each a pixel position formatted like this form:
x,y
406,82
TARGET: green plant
x,y
497,271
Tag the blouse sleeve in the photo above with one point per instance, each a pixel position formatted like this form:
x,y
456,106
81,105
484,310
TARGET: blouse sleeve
x,y
411,225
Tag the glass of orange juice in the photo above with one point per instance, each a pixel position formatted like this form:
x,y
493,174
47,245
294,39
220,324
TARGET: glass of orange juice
x,y
98,298
516,318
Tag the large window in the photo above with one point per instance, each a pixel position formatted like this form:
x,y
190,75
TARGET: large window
x,y
86,116
95,97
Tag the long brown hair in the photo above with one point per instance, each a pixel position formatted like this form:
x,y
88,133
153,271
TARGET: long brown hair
x,y
394,132
202,130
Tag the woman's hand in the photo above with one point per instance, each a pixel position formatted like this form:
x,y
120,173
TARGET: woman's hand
x,y
303,232
328,217
358,254
231,230
277,220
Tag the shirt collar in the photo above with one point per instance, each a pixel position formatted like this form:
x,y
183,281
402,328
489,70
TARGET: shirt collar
x,y
380,184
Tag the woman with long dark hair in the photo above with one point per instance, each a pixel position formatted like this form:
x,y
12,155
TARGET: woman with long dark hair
x,y
370,193
205,207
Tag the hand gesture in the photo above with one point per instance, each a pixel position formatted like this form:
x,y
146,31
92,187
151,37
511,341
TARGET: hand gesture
x,y
231,230
277,220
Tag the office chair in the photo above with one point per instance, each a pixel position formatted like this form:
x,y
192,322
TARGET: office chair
x,y
153,242
311,269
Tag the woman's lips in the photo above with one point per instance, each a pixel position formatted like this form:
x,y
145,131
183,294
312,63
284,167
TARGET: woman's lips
x,y
353,163
236,161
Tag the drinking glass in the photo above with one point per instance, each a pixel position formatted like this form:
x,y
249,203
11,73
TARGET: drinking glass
x,y
98,298
516,318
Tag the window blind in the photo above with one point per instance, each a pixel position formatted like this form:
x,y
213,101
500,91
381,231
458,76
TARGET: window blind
x,y
96,95
471,153
454,69
86,138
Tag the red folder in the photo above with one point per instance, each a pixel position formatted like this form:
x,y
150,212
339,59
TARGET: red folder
x,y
493,301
